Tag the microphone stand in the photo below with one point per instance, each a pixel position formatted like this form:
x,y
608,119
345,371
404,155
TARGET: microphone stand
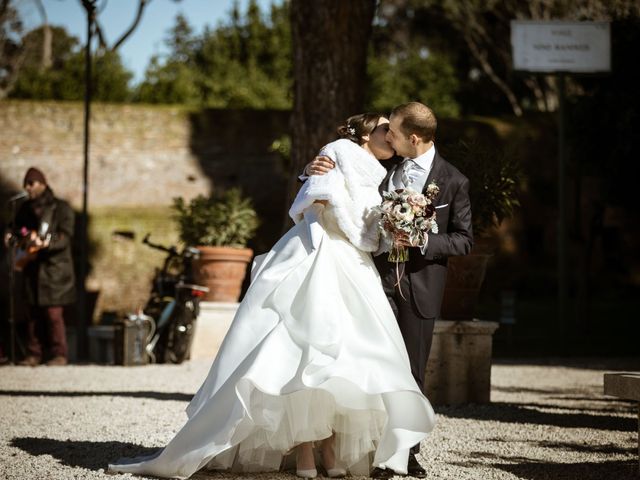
x,y
12,286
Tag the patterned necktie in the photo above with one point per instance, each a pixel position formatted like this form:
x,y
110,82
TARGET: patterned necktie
x,y
410,172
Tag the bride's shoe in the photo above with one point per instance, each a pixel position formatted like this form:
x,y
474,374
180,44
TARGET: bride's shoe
x,y
311,473
334,471
305,472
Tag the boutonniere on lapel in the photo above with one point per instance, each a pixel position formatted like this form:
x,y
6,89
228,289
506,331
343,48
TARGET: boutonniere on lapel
x,y
431,193
432,190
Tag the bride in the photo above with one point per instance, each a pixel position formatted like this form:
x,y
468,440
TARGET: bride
x,y
314,356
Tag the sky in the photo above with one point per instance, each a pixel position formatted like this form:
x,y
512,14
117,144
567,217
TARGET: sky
x,y
117,16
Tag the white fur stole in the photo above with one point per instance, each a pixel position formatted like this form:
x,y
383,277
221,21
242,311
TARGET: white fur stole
x,y
351,188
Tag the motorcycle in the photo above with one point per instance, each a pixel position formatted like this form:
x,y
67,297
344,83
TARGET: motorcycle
x,y
173,305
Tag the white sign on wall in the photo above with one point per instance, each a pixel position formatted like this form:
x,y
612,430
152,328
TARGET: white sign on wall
x,y
556,46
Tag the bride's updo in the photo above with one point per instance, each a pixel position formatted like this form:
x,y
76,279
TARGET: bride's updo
x,y
358,126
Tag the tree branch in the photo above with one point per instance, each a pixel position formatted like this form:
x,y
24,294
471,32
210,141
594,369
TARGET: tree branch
x,y
4,6
102,40
488,69
534,86
90,7
141,6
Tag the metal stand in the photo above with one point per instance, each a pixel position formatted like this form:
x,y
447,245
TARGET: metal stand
x,y
12,282
12,306
90,7
562,210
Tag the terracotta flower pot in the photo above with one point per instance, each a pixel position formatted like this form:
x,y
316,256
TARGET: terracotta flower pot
x,y
465,276
222,269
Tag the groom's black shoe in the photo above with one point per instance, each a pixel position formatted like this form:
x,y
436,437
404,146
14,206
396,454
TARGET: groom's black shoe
x,y
382,473
414,469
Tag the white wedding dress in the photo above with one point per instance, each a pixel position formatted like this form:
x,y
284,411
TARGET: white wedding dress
x,y
314,348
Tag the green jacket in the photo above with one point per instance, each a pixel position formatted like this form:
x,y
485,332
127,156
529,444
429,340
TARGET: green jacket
x,y
50,278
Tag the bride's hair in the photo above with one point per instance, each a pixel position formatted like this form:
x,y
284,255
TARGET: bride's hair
x,y
358,126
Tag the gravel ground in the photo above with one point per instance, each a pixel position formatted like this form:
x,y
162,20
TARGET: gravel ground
x,y
547,420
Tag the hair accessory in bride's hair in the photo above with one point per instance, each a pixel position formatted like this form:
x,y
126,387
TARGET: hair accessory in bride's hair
x,y
351,130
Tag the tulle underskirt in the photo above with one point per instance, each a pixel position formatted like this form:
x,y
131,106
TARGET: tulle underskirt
x,y
281,422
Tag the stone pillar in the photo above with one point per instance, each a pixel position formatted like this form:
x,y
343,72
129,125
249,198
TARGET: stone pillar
x,y
625,385
459,366
211,327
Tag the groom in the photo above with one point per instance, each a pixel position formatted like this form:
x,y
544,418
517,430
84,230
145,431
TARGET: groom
x,y
417,298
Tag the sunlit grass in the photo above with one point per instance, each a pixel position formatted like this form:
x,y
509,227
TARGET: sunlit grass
x,y
122,267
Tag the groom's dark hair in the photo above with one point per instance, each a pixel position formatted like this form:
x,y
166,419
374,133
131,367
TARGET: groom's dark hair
x,y
417,119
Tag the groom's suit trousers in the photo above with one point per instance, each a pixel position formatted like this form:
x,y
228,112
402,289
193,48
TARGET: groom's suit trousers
x,y
416,330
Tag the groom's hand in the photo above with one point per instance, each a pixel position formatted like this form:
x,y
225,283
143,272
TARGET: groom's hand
x,y
319,166
402,240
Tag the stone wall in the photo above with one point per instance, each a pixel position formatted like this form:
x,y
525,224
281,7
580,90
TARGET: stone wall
x,y
140,155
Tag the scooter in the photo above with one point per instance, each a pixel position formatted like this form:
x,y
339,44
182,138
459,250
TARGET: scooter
x,y
173,306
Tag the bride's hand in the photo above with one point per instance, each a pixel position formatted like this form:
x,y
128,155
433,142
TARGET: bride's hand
x,y
319,166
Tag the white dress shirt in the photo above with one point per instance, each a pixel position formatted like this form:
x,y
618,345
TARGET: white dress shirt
x,y
419,170
423,162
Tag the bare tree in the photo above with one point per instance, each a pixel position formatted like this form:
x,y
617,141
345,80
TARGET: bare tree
x,y
330,41
89,6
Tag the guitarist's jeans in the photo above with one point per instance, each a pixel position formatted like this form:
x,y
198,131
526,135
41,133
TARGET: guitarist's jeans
x,y
45,328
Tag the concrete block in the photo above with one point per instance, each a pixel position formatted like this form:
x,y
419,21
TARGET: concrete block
x,y
211,327
459,366
625,385
622,385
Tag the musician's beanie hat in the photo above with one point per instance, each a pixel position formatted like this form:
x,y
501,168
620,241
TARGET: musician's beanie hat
x,y
34,174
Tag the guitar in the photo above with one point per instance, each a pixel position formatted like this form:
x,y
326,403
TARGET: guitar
x,y
29,243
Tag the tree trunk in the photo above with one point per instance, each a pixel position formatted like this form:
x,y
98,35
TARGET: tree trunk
x,y
330,43
47,38
47,47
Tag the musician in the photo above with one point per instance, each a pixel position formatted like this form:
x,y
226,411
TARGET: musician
x,y
43,232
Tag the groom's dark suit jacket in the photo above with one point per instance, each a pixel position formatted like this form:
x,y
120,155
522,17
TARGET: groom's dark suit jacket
x,y
428,272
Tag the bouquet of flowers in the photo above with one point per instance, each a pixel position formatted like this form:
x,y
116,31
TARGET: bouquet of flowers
x,y
407,213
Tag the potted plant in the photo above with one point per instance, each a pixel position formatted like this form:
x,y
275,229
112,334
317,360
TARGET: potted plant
x,y
219,226
492,175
